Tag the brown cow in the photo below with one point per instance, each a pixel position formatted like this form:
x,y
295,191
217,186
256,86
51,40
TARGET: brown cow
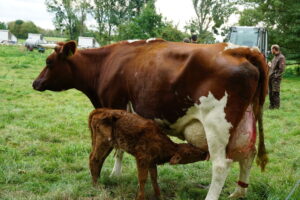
x,y
141,138
210,95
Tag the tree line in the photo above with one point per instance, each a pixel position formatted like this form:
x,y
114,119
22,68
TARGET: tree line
x,y
129,19
115,19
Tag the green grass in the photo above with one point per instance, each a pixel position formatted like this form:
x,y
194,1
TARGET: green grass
x,y
45,144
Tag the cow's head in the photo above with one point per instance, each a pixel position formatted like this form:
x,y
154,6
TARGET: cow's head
x,y
57,74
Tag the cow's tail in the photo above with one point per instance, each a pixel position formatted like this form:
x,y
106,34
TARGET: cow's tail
x,y
258,60
262,156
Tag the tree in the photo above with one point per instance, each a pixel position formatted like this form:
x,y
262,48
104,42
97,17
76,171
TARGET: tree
x,y
211,16
110,14
21,29
281,18
3,25
148,24
171,33
70,15
83,9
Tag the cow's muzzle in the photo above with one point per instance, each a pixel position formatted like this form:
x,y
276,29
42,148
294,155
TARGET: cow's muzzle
x,y
38,85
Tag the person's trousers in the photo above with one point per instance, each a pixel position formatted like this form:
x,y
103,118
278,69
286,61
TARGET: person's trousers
x,y
274,92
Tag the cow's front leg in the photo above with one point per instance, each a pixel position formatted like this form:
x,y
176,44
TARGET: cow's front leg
x,y
216,128
242,185
220,169
117,170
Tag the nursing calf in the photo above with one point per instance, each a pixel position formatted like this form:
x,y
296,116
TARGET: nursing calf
x,y
141,138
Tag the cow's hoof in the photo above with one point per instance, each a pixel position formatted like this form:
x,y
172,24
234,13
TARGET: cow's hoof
x,y
238,193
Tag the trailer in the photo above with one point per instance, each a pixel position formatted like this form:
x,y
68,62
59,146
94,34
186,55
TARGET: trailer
x,y
6,37
87,42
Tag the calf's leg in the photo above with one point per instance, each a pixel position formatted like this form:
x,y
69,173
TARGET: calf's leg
x,y
245,167
97,157
117,169
143,169
153,175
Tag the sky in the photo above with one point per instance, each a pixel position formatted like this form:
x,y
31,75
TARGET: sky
x,y
179,11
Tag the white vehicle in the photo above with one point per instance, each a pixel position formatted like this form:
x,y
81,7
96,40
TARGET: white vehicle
x,y
34,40
249,36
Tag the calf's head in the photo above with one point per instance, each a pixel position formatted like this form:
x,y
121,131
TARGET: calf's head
x,y
57,74
188,153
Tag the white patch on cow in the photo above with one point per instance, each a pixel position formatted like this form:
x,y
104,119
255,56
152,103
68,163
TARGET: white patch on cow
x,y
206,121
117,170
150,39
235,46
131,41
194,134
162,122
217,134
255,49
129,108
189,98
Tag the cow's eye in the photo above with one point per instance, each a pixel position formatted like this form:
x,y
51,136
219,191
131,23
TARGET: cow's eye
x,y
49,63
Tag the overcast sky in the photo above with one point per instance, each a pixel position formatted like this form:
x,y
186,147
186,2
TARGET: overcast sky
x,y
179,11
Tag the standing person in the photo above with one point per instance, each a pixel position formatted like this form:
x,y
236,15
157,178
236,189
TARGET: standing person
x,y
275,74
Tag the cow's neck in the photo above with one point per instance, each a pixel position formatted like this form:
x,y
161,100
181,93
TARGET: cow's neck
x,y
86,69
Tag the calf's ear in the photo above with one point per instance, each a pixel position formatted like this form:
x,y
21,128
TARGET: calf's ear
x,y
69,49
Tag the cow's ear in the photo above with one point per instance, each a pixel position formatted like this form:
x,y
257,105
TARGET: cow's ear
x,y
69,49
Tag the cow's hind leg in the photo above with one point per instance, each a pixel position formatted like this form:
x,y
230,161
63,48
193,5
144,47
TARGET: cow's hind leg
x,y
245,167
117,170
216,128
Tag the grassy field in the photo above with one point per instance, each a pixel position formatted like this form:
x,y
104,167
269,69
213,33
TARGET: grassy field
x,y
45,144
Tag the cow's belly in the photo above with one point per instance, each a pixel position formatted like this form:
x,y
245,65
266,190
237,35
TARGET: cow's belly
x,y
242,142
194,134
